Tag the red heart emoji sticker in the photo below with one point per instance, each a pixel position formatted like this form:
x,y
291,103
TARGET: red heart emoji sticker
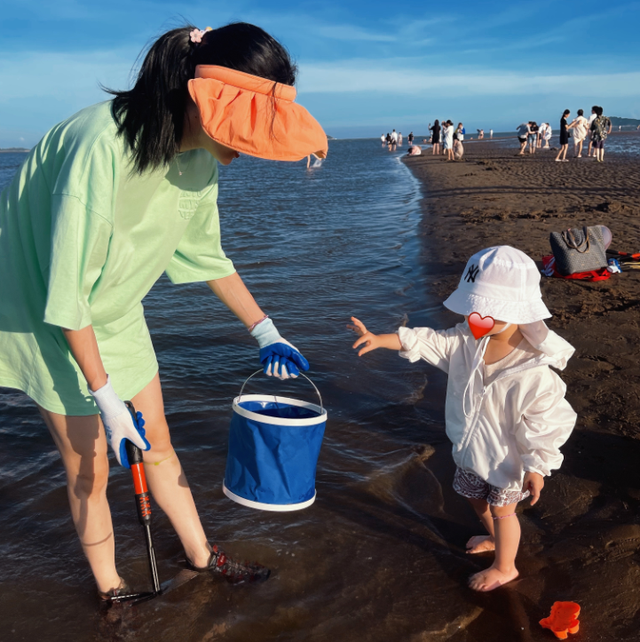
x,y
480,325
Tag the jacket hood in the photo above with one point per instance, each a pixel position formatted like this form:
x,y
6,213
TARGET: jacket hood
x,y
555,349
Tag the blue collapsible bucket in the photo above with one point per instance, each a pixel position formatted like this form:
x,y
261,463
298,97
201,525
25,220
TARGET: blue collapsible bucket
x,y
274,443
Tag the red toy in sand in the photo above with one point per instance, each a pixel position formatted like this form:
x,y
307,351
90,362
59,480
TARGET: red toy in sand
x,y
563,619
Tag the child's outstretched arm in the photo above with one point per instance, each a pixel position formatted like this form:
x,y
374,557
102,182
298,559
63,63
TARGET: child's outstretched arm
x,y
372,341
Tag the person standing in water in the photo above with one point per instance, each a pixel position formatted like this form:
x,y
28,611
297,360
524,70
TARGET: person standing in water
x,y
506,412
106,202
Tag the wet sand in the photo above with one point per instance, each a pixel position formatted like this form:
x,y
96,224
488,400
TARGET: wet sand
x,y
582,541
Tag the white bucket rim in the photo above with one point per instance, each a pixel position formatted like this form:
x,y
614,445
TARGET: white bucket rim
x,y
278,508
280,421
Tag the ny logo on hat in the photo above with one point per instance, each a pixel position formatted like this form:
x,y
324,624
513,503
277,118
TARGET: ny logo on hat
x,y
472,273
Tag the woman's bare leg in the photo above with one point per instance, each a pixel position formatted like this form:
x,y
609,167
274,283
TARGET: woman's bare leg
x,y
83,448
167,481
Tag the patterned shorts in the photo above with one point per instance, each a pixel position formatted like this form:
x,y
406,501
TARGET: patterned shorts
x,y
469,485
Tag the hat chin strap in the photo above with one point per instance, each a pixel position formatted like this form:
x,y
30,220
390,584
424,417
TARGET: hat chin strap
x,y
506,327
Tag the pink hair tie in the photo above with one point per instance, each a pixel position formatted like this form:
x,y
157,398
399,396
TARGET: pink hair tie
x,y
196,35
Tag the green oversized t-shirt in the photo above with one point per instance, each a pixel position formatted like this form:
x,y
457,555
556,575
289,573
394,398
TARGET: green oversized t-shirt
x,y
83,238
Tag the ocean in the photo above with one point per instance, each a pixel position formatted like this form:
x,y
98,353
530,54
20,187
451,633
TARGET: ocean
x,y
315,246
380,554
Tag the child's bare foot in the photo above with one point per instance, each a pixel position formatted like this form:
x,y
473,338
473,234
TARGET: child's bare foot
x,y
481,544
491,579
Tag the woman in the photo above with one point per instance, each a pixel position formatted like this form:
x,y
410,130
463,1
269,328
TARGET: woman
x,y
564,138
109,200
579,126
435,137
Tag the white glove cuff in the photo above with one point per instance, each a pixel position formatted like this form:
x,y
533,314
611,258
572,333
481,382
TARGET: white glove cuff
x,y
265,333
108,402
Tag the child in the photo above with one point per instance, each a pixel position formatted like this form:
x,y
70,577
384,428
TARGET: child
x,y
505,409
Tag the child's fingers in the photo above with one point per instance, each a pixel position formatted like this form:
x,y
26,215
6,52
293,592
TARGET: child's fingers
x,y
359,325
360,341
367,348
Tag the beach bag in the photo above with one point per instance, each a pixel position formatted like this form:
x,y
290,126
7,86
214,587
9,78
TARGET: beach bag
x,y
274,444
578,250
549,268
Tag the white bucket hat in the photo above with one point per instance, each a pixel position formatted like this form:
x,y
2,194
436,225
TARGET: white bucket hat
x,y
500,282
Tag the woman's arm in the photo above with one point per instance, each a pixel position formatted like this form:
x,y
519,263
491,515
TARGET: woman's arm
x,y
84,348
232,291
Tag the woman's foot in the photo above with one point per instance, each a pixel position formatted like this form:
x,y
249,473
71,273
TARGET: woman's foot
x,y
232,571
481,544
491,579
118,591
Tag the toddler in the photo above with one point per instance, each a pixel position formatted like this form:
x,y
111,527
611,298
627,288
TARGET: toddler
x,y
506,414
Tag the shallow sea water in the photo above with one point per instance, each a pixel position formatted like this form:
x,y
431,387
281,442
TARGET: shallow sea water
x,y
380,555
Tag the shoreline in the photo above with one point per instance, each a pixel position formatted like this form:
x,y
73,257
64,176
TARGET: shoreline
x,y
579,542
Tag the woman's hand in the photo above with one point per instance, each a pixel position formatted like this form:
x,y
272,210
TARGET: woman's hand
x,y
371,341
534,483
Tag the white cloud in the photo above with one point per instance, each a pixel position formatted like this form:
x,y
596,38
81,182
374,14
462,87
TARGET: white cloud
x,y
360,76
350,33
65,76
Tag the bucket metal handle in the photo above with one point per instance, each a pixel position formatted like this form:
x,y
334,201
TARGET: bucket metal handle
x,y
301,374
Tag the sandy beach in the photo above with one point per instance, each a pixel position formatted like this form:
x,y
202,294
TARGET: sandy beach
x,y
582,541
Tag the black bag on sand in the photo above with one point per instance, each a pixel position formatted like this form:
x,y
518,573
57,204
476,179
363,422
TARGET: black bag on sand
x,y
578,250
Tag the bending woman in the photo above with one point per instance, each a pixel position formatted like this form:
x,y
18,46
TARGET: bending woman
x,y
109,200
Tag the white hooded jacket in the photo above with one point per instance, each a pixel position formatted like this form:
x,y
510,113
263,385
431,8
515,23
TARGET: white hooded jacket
x,y
515,423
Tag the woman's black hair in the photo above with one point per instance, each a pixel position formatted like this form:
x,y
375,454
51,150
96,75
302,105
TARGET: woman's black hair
x,y
150,116
566,112
580,112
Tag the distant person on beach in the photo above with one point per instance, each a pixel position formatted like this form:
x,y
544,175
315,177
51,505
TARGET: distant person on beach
x,y
548,132
532,137
394,137
480,133
447,139
458,139
414,150
591,151
399,138
435,137
523,130
491,133
410,138
107,202
600,129
505,410
579,127
564,138
383,139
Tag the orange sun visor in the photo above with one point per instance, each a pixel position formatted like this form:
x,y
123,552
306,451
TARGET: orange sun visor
x,y
254,115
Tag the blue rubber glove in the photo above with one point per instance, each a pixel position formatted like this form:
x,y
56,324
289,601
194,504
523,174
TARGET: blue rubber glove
x,y
279,358
119,423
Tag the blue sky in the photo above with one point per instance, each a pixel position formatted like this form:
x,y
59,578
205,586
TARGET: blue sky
x,y
365,67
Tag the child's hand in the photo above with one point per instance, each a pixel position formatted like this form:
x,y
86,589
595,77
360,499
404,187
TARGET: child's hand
x,y
366,338
534,483
372,341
